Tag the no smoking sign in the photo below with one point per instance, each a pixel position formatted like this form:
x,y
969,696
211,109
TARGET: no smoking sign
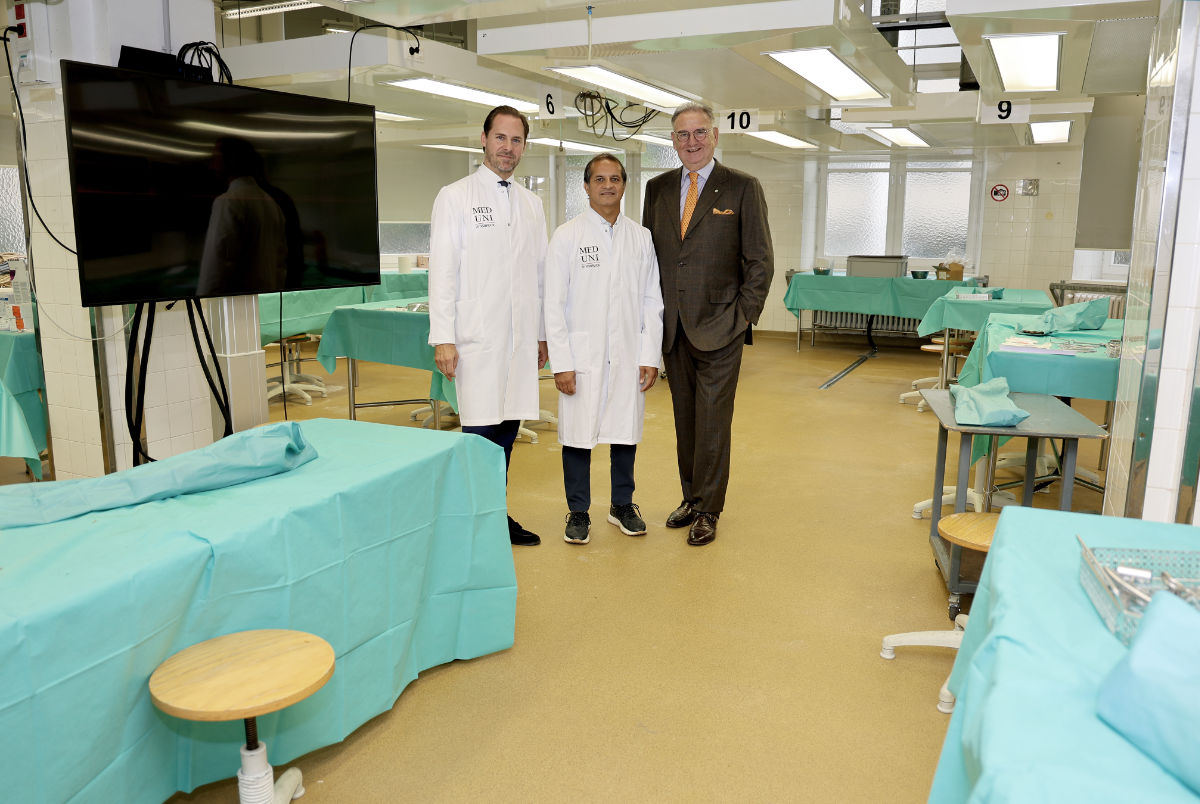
x,y
999,192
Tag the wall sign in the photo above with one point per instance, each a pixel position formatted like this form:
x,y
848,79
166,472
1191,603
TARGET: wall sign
x,y
999,192
1005,111
737,121
552,102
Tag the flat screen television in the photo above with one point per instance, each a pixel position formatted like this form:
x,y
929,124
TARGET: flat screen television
x,y
187,189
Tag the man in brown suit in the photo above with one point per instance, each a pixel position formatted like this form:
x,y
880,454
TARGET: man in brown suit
x,y
709,224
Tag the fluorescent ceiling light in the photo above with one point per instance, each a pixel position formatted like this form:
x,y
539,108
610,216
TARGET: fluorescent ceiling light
x,y
901,136
396,118
463,93
337,27
607,79
475,150
779,138
570,146
1027,62
653,140
269,8
1046,133
819,66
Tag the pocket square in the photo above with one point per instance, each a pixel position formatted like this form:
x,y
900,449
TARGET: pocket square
x,y
722,211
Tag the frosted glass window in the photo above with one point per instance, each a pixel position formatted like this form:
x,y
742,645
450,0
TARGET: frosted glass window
x,y
856,213
659,156
935,213
931,165
399,237
877,165
576,198
12,217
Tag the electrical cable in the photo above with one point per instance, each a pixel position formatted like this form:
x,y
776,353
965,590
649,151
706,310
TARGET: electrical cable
x,y
33,204
602,115
134,403
221,397
282,374
412,51
206,54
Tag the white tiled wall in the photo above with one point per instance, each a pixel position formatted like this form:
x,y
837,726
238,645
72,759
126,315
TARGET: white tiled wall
x,y
73,392
1029,241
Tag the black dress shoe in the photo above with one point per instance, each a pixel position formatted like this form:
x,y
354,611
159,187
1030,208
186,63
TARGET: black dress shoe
x,y
682,516
519,536
704,529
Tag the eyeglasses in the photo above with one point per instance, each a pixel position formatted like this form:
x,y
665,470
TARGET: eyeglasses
x,y
700,135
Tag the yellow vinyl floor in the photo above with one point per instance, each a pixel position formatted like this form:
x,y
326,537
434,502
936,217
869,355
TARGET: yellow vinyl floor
x,y
645,670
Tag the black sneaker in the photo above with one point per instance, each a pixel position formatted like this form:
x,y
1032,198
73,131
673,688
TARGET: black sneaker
x,y
579,527
628,518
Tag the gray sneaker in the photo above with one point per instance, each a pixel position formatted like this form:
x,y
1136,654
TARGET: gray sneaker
x,y
579,526
628,518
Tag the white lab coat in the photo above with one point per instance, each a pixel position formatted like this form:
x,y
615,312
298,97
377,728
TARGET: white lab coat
x,y
485,294
604,319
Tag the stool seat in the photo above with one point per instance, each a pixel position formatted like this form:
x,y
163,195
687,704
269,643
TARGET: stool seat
x,y
969,529
938,348
242,675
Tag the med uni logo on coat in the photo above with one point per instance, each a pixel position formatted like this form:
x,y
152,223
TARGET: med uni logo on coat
x,y
483,216
589,256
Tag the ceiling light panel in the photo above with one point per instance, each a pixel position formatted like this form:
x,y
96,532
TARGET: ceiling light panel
x,y
653,140
570,146
467,94
629,87
455,148
395,118
901,136
779,138
1051,132
820,67
1027,62
269,8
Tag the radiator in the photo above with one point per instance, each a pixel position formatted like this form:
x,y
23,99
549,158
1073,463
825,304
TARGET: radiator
x,y
857,322
1116,304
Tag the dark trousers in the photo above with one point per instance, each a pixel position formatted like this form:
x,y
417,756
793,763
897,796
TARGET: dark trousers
x,y
577,475
703,385
503,434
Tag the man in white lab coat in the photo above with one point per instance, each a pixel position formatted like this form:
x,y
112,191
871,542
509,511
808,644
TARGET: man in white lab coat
x,y
487,252
604,314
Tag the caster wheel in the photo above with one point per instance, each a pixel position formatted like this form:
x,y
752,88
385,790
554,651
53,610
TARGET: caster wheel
x,y
954,611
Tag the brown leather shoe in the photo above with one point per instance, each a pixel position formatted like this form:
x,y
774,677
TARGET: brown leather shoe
x,y
682,516
704,529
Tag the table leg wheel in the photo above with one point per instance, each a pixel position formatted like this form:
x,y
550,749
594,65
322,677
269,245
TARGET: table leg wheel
x,y
953,610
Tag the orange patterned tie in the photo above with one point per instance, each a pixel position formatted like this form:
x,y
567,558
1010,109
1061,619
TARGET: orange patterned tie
x,y
689,203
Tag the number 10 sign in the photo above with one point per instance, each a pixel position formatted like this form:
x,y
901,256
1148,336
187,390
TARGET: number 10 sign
x,y
737,121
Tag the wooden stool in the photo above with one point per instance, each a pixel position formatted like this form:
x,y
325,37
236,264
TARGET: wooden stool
x,y
244,675
970,530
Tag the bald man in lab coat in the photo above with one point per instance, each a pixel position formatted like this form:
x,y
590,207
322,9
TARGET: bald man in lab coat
x,y
604,314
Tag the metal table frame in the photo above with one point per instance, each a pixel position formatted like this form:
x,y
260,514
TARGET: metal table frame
x,y
1049,418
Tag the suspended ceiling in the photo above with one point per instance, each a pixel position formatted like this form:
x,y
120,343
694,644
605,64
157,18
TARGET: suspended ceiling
x,y
713,52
